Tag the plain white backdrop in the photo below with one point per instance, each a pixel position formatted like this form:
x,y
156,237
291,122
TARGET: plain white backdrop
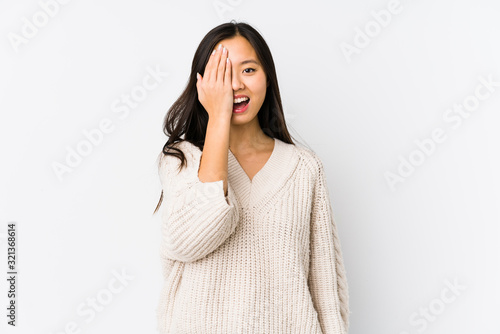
x,y
400,99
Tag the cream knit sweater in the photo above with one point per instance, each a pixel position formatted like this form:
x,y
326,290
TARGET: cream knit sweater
x,y
266,258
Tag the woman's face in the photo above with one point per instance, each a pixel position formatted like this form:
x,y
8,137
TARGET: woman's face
x,y
248,77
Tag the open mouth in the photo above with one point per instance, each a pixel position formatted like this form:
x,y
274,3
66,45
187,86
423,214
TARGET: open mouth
x,y
241,106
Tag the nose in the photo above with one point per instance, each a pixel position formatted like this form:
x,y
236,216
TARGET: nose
x,y
236,82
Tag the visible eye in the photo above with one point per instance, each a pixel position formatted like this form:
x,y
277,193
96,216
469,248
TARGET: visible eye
x,y
253,69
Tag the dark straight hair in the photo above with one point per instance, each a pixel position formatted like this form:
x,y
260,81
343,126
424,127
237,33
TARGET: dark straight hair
x,y
187,117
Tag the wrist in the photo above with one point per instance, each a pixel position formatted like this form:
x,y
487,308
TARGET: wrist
x,y
219,121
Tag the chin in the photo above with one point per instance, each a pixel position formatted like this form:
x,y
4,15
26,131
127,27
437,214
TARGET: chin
x,y
243,118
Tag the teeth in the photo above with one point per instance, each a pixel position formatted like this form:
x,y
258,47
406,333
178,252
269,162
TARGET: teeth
x,y
240,99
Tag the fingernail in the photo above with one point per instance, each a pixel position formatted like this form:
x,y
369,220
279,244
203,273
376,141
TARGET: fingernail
x,y
220,46
224,50
213,52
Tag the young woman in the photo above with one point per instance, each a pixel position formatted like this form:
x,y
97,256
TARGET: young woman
x,y
249,244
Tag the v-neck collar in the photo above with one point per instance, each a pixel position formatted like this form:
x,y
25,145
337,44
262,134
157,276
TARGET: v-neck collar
x,y
273,174
242,171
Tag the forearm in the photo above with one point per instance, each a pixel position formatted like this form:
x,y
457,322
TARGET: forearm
x,y
214,158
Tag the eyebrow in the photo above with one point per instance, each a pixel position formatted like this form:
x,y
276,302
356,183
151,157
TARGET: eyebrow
x,y
249,61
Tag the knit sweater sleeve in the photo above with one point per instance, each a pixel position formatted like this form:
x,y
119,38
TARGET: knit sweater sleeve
x,y
327,278
197,216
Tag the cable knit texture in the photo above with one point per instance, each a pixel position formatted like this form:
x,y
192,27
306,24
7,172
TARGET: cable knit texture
x,y
266,258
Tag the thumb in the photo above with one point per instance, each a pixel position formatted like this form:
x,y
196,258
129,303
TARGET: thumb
x,y
198,76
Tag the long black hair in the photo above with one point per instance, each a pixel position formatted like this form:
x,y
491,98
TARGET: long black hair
x,y
187,116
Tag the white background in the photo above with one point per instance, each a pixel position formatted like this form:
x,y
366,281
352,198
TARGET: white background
x,y
360,113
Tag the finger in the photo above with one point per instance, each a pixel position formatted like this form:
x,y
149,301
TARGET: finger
x,y
215,63
222,66
227,77
199,89
210,64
